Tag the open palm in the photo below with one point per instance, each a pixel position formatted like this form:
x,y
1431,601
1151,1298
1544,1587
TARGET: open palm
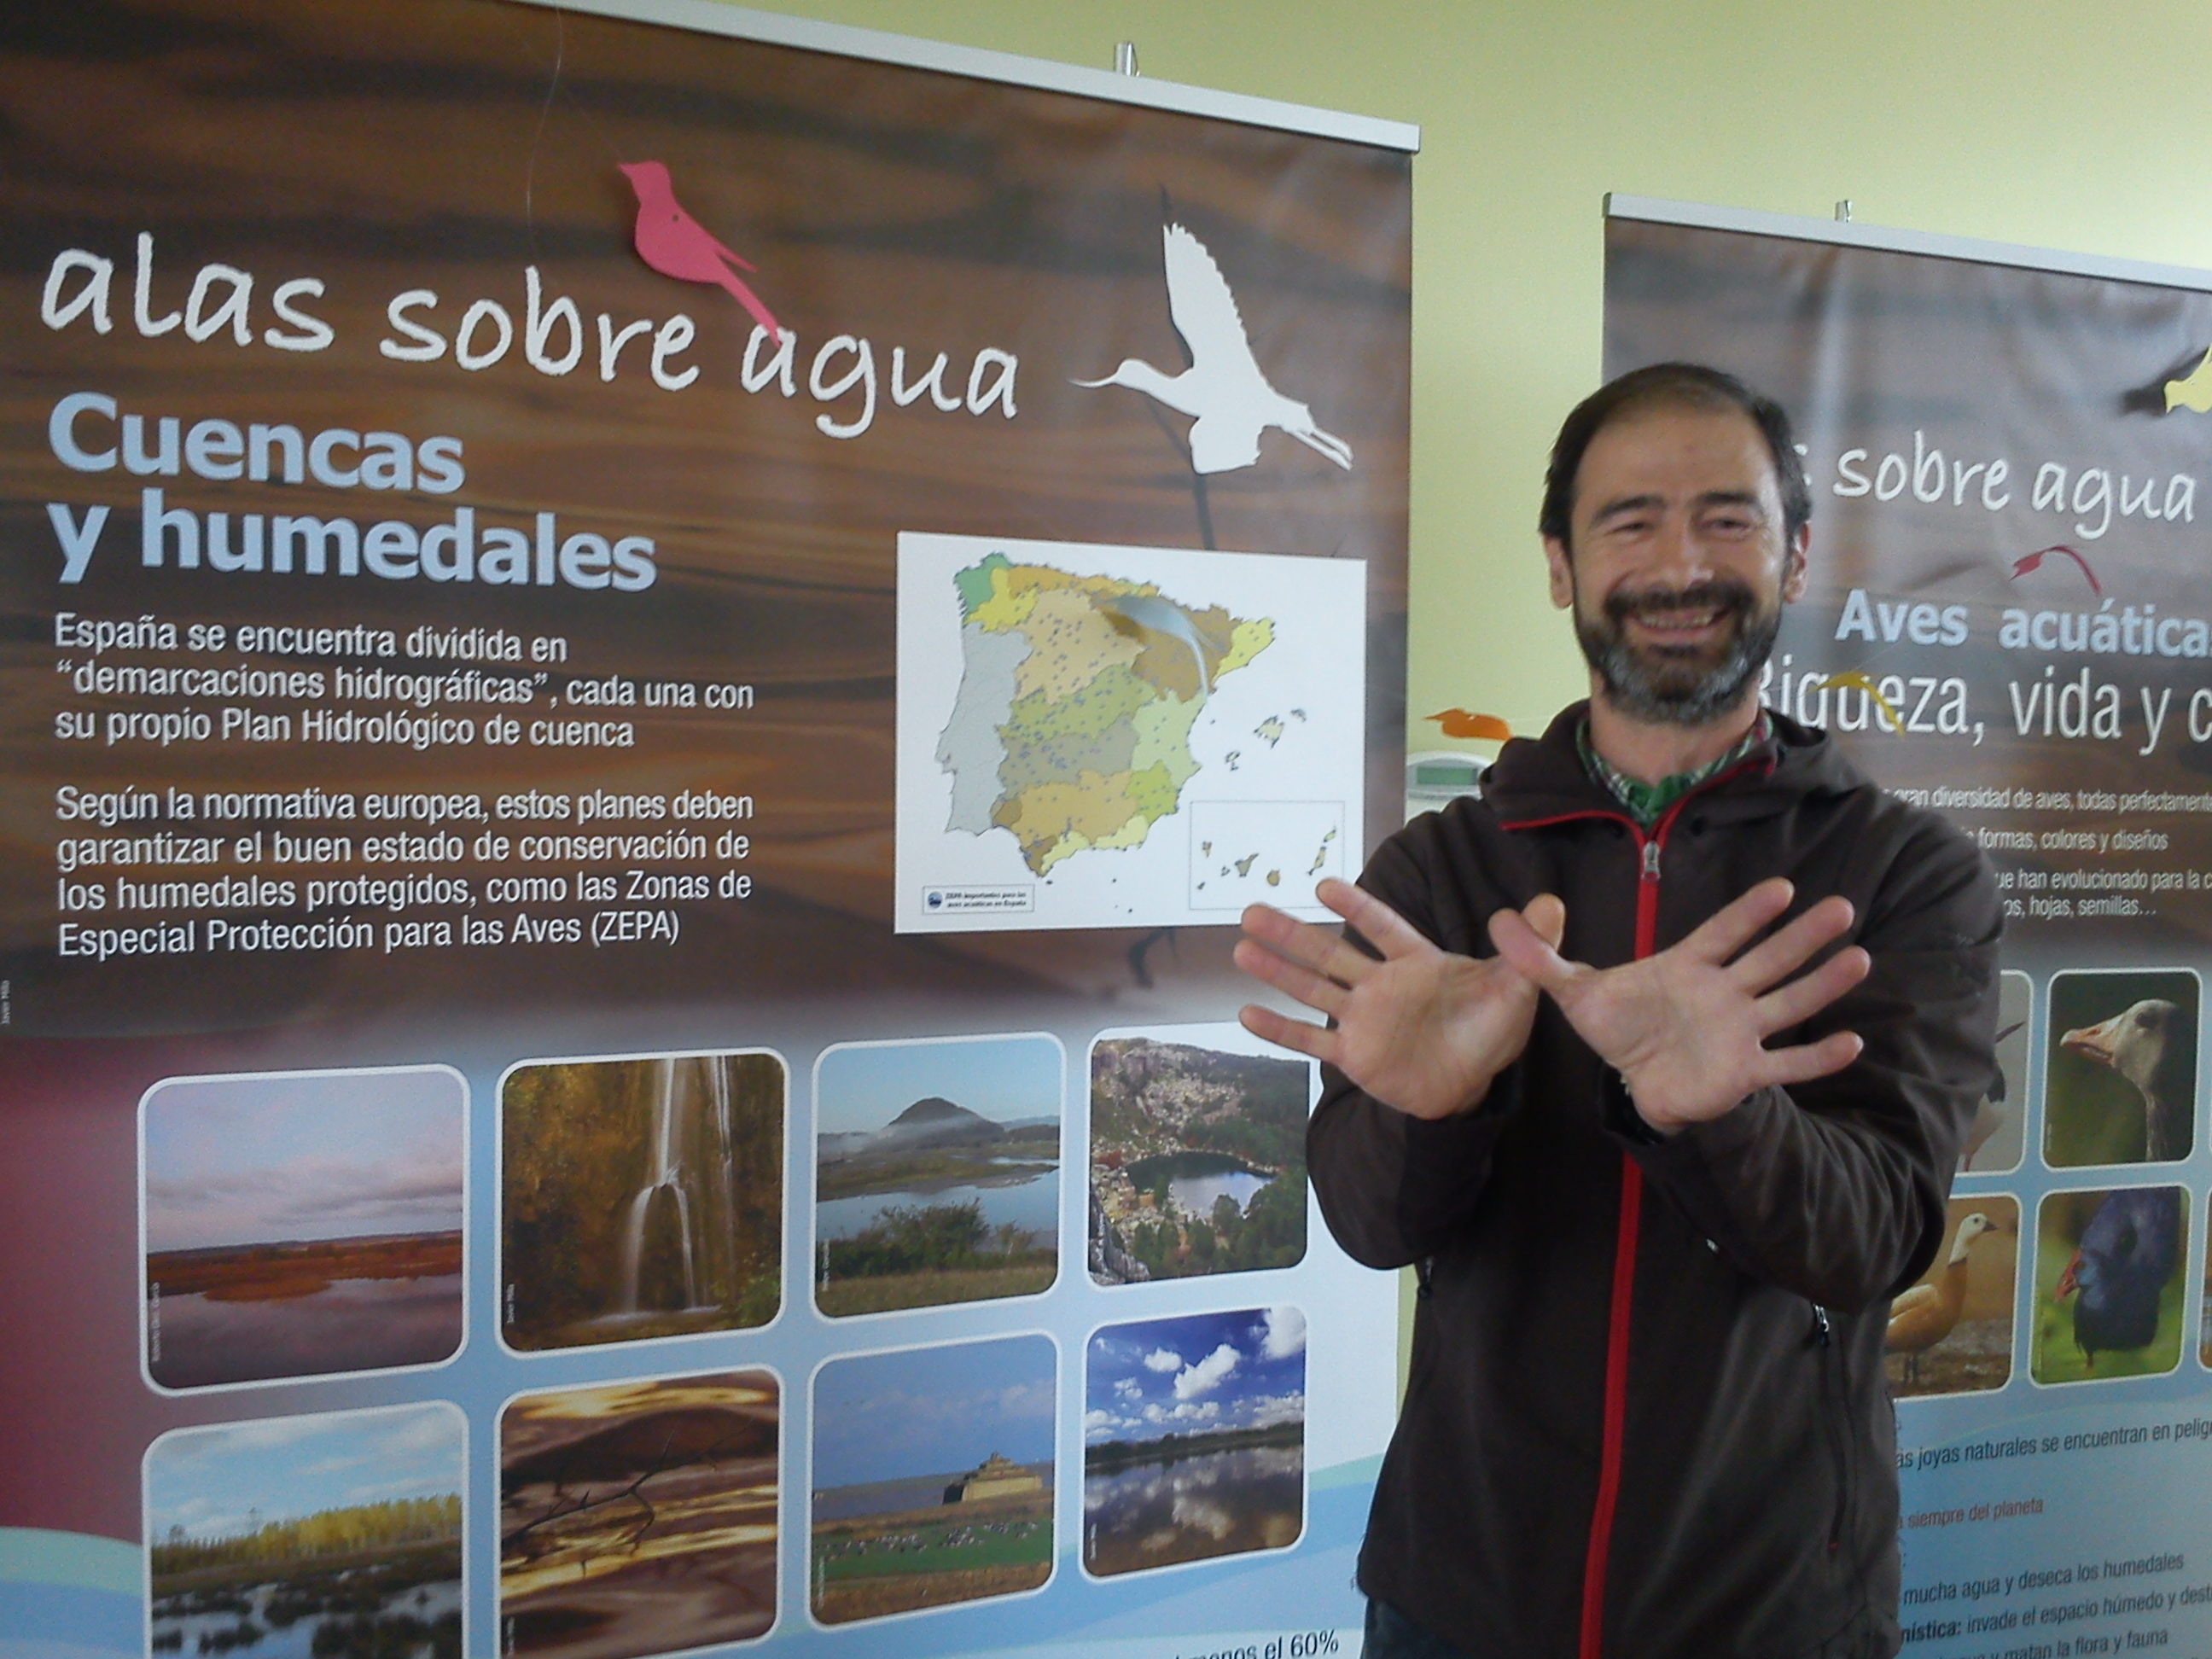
x,y
1688,1027
1422,1029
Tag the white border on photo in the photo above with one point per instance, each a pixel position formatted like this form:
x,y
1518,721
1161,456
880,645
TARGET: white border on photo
x,y
2015,1360
813,1158
805,1531
2050,1052
2192,1228
468,1253
1224,1036
782,1505
146,1491
499,1202
1305,1464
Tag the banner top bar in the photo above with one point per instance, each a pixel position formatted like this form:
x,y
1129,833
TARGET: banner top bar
x,y
1884,238
743,22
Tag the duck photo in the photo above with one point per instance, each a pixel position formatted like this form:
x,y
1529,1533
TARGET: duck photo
x,y
2121,1087
1952,1332
2109,1295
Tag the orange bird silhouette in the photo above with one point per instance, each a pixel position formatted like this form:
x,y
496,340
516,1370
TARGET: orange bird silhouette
x,y
676,245
1462,723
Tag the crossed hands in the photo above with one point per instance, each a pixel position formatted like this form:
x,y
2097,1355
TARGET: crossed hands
x,y
1427,1032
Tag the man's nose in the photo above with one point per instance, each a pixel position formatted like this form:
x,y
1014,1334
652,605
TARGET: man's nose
x,y
1678,554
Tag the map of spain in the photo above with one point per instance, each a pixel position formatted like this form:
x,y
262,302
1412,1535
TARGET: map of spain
x,y
1071,726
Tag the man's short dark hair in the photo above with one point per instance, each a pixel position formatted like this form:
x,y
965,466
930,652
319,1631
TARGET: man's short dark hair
x,y
1682,384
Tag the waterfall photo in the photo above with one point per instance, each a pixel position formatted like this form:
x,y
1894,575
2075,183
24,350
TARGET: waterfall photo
x,y
936,1172
302,1224
640,1198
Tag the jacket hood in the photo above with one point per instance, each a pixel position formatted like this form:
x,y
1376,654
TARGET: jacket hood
x,y
1539,778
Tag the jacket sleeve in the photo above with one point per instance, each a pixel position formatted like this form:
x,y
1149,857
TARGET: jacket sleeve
x,y
1393,1188
1835,1189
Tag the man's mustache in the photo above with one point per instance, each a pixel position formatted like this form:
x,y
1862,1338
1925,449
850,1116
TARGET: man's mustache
x,y
1725,595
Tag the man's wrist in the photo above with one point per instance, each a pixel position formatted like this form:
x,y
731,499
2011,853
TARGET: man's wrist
x,y
1625,1118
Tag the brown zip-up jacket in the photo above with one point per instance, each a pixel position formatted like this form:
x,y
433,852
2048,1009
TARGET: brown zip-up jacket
x,y
1646,1415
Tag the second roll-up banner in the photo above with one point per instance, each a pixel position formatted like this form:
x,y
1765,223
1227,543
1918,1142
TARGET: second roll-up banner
x,y
2010,453
648,659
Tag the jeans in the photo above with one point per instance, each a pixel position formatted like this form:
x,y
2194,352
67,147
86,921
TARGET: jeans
x,y
1391,1634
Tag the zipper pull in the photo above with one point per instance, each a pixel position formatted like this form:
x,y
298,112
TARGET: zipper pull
x,y
1820,1325
1651,860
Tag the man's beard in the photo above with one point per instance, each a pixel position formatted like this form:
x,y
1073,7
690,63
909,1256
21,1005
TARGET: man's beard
x,y
1677,686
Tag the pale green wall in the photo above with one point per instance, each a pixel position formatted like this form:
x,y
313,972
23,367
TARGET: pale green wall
x,y
2078,126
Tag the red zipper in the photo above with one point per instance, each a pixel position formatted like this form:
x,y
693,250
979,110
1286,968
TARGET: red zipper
x,y
1620,1321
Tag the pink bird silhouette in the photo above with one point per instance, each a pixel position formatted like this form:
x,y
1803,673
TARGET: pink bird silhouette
x,y
676,245
2028,561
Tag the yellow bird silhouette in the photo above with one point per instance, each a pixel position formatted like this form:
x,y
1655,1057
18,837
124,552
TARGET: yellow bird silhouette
x,y
1853,679
2194,389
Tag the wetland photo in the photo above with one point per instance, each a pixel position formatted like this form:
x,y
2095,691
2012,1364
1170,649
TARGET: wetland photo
x,y
1197,1154
933,1477
302,1224
936,1172
1194,1438
331,1536
640,1198
639,1518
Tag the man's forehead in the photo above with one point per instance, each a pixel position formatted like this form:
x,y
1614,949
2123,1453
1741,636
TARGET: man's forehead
x,y
1677,449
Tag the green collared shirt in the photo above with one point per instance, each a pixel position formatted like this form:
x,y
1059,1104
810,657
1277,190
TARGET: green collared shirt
x,y
1647,802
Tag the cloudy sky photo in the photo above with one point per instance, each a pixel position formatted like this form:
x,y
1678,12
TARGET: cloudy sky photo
x,y
863,1088
212,1481
932,1411
1200,1374
264,1160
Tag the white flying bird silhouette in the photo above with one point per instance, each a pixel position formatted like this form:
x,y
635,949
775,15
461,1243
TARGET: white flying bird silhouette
x,y
1223,387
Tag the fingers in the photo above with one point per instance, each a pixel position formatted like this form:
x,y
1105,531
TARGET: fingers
x,y
1810,1060
1293,979
1793,946
1735,924
1382,927
1287,1033
1801,999
1320,951
1528,951
1546,913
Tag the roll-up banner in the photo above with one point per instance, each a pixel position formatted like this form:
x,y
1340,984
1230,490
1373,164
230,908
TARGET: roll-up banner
x,y
2008,620
648,659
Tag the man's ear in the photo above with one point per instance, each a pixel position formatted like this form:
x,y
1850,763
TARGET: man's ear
x,y
1793,565
1559,565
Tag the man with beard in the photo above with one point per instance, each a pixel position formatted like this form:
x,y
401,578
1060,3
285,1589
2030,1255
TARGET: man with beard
x,y
1655,1061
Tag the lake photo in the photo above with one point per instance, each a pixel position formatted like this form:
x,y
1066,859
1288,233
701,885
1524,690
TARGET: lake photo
x,y
933,1477
1194,1439
302,1224
328,1537
936,1172
1197,1154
